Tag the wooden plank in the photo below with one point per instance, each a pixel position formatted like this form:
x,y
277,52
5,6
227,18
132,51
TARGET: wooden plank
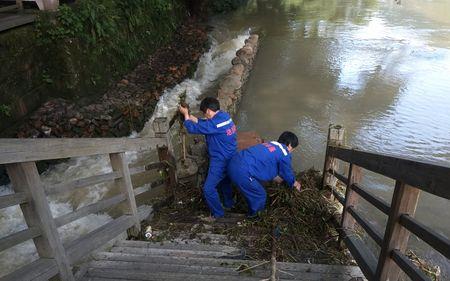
x,y
336,194
19,4
354,176
37,270
119,164
437,241
19,237
15,20
148,187
363,256
89,209
166,156
369,228
85,244
226,271
9,8
428,177
149,167
379,203
22,150
25,178
339,176
12,199
408,267
80,183
297,268
404,201
335,137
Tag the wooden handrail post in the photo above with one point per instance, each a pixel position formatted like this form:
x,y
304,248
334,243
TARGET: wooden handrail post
x,y
351,197
25,178
19,4
51,5
165,154
404,201
335,137
119,164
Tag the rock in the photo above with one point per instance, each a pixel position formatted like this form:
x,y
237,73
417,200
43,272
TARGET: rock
x,y
237,69
236,60
231,83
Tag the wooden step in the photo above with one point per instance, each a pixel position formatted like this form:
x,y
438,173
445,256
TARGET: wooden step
x,y
177,253
262,271
41,269
294,268
184,245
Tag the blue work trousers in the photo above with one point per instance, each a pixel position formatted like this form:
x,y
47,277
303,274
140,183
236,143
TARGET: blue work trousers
x,y
218,181
252,190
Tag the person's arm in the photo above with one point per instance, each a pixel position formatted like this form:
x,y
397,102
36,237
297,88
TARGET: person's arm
x,y
196,126
286,172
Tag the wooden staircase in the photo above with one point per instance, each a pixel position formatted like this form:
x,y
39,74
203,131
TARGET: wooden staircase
x,y
191,259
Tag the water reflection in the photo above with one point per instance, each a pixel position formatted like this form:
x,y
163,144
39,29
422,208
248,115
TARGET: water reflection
x,y
378,68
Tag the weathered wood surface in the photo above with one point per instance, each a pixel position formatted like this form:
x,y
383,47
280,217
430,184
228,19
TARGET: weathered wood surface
x,y
41,269
408,267
8,21
428,177
12,199
351,198
379,203
362,254
80,183
136,260
25,178
19,237
119,164
23,150
86,244
404,201
89,209
367,226
439,242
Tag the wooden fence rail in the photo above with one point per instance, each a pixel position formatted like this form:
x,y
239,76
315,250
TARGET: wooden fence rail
x,y
411,177
55,257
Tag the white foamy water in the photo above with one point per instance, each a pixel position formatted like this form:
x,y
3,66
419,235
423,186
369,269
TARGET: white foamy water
x,y
212,65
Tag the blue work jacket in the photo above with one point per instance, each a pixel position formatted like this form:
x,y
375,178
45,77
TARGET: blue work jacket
x,y
220,133
265,161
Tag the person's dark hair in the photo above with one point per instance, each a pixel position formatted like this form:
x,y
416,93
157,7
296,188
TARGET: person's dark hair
x,y
209,103
288,138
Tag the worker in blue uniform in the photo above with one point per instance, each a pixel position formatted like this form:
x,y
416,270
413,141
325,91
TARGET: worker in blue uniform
x,y
263,162
221,140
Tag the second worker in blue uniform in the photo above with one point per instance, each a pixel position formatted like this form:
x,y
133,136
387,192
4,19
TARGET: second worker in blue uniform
x,y
263,162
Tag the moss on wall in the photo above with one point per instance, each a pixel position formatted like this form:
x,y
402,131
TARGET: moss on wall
x,y
78,51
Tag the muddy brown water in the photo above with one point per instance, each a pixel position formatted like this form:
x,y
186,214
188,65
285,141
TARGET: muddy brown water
x,y
379,68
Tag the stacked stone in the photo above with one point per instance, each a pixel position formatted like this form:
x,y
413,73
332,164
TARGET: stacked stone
x,y
230,90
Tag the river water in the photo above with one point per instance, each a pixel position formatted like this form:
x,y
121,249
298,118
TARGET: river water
x,y
379,68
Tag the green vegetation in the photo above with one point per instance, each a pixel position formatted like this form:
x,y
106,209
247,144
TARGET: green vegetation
x,y
79,50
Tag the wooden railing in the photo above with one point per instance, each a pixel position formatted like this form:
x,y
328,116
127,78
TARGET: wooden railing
x,y
411,177
30,193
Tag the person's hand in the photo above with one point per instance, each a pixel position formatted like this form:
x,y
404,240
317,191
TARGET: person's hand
x,y
278,180
184,111
298,185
